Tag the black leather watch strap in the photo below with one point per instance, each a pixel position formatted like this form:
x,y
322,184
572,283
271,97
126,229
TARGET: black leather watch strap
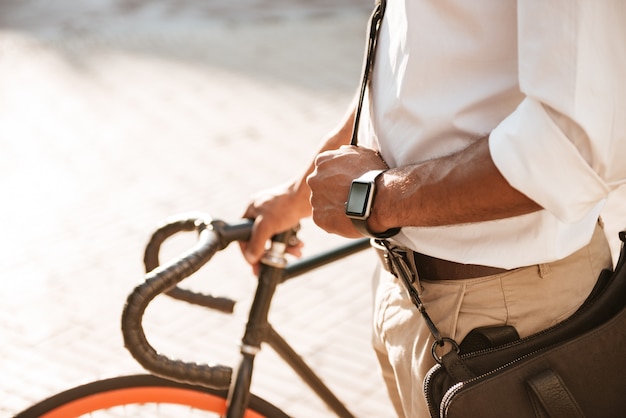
x,y
361,226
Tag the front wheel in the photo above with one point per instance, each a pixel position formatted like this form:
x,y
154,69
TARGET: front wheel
x,y
142,395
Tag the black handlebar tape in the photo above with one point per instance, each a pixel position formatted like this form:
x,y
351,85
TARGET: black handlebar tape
x,y
158,281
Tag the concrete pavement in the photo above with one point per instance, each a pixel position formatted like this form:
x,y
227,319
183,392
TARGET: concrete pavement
x,y
117,114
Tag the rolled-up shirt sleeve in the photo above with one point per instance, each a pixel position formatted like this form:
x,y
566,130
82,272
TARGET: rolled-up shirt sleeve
x,y
564,146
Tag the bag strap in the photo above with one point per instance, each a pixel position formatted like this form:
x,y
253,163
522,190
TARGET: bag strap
x,y
375,22
550,398
403,272
398,262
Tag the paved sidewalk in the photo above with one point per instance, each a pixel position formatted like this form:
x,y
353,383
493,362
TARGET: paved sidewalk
x,y
115,114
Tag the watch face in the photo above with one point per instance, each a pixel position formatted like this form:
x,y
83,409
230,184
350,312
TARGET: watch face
x,y
358,199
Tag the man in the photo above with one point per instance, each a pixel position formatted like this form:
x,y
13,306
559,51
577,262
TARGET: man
x,y
494,131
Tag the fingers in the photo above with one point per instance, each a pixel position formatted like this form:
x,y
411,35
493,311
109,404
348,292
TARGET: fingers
x,y
271,216
276,210
253,250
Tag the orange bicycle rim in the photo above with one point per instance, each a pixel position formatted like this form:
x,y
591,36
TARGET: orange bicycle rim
x,y
139,395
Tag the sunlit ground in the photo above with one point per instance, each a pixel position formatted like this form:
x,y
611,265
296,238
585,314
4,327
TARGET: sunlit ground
x,y
115,115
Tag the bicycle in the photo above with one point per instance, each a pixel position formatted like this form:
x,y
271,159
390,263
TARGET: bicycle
x,y
195,387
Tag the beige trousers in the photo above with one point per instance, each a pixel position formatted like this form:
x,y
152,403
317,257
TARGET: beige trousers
x,y
530,298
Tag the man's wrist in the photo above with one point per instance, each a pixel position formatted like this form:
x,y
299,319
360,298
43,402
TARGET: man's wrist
x,y
379,220
360,205
301,196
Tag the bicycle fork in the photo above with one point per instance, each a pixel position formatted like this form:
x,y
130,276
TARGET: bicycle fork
x,y
258,327
259,330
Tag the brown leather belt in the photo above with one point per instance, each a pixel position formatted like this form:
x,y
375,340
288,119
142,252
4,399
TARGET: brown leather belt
x,y
431,268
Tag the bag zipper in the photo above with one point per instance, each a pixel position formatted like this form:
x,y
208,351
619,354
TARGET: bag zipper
x,y
434,413
456,388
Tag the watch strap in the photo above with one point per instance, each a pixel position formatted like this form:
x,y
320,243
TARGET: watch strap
x,y
361,224
370,176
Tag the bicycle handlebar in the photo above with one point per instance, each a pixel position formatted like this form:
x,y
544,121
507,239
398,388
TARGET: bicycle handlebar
x,y
213,236
227,233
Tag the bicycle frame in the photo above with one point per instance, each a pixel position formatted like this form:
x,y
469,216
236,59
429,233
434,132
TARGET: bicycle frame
x,y
212,237
259,330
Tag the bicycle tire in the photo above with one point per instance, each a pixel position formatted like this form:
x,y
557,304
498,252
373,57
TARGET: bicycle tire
x,y
145,390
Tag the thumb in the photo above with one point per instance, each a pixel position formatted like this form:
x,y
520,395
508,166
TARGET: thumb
x,y
254,249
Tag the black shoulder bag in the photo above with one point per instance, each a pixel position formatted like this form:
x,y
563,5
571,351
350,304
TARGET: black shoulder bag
x,y
574,369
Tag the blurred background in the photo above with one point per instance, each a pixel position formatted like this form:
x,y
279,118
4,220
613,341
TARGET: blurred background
x,y
116,114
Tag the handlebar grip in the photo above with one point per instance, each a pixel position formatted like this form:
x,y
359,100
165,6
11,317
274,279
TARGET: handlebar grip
x,y
213,237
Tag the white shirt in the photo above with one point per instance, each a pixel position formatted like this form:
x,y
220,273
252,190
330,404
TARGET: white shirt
x,y
546,79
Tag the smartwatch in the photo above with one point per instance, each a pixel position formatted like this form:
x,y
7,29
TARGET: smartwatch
x,y
359,204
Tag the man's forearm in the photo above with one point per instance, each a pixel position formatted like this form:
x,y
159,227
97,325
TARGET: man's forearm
x,y
460,188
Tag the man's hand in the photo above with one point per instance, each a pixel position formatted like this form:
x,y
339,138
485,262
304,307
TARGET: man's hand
x,y
330,183
278,209
274,210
